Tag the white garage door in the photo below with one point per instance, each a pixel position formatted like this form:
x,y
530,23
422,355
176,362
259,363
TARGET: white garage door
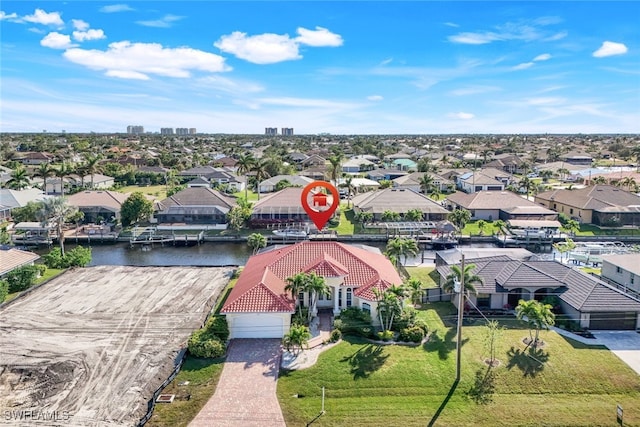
x,y
258,325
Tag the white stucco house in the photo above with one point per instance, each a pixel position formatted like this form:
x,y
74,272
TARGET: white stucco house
x,y
259,307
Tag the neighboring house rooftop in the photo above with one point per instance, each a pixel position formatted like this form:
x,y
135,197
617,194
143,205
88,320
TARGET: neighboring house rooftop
x,y
198,196
12,258
111,200
629,262
395,200
286,200
20,198
503,200
596,197
261,286
293,180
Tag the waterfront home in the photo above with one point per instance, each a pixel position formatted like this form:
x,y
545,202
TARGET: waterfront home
x,y
399,201
195,207
12,258
11,199
98,205
622,270
269,185
602,205
484,180
590,302
494,205
412,182
259,307
281,207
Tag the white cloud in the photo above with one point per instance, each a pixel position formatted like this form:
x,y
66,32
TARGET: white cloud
x,y
269,48
318,38
80,25
6,16
57,41
462,115
136,60
545,101
116,8
522,66
542,57
44,18
92,34
305,102
386,61
164,22
451,24
375,98
261,49
555,37
474,38
610,49
473,90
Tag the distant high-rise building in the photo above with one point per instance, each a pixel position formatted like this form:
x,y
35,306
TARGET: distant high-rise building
x,y
192,131
166,131
287,131
136,130
271,131
182,131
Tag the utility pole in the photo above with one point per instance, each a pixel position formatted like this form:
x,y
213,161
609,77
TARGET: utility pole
x,y
460,312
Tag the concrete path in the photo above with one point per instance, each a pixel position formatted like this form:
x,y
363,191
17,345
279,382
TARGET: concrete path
x,y
246,393
624,344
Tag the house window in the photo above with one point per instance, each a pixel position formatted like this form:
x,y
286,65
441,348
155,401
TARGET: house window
x,y
339,297
321,297
366,307
571,211
619,270
555,206
349,297
301,299
631,278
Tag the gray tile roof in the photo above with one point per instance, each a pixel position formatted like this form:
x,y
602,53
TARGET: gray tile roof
x,y
394,200
198,196
595,197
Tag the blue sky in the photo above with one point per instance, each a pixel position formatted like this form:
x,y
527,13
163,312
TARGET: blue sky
x,y
353,67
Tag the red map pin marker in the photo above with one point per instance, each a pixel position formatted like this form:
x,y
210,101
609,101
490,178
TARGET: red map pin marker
x,y
319,204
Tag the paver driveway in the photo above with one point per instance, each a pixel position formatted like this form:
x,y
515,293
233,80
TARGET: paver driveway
x,y
246,393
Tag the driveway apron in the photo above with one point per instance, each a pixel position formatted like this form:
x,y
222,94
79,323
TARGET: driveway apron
x,y
246,393
624,344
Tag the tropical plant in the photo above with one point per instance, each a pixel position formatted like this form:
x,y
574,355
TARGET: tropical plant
x,y
92,166
493,333
538,316
481,224
256,241
460,218
426,183
19,179
44,171
570,226
244,166
413,215
399,247
296,339
456,276
295,285
315,285
334,168
135,208
563,247
416,289
390,216
62,172
259,168
54,212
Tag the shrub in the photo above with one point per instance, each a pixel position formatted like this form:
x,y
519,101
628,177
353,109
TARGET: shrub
x,y
22,278
338,324
412,334
217,325
385,335
336,335
4,290
354,321
77,257
406,319
203,344
419,323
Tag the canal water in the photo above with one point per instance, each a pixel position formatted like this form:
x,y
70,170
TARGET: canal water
x,y
212,254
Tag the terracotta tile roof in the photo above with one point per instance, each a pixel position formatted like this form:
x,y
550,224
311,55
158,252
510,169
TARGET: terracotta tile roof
x,y
362,270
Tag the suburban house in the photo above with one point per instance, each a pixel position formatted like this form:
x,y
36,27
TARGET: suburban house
x,y
216,176
269,185
11,199
405,164
98,205
357,165
203,207
483,180
385,174
582,159
506,162
622,270
494,205
412,182
359,184
33,158
98,181
259,307
12,258
601,205
587,300
283,206
400,201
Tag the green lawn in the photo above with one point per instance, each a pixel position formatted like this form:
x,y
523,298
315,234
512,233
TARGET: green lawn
x,y
372,385
203,376
347,225
594,230
49,273
251,196
425,274
472,229
159,191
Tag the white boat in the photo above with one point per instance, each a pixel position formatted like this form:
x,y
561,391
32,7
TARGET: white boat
x,y
591,252
290,232
531,232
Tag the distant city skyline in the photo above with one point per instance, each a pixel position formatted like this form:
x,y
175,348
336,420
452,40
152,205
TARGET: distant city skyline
x,y
344,67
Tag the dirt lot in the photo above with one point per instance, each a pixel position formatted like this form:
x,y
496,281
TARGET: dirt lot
x,y
90,347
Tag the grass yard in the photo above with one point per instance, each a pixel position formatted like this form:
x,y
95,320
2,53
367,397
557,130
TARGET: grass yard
x,y
426,275
159,191
347,225
48,274
472,229
562,384
203,376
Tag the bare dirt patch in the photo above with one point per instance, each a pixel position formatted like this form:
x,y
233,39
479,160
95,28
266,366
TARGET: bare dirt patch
x,y
95,343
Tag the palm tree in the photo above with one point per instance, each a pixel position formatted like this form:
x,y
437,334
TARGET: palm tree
x,y
571,227
259,168
538,316
398,247
389,306
563,172
92,166
628,182
54,211
481,225
295,285
45,171
460,217
601,180
61,172
256,241
426,183
315,285
335,170
456,277
415,288
296,339
19,179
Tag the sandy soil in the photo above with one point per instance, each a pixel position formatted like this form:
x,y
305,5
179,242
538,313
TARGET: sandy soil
x,y
93,344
